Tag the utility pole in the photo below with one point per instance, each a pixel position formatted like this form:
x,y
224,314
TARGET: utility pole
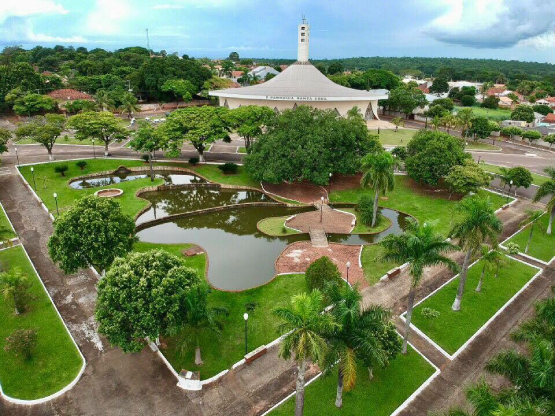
x,y
148,43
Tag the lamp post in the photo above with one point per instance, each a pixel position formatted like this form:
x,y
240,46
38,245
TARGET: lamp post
x,y
57,209
94,151
348,267
321,208
16,155
246,318
509,191
34,182
329,186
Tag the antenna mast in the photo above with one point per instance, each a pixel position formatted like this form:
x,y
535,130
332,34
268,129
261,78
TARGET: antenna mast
x,y
148,43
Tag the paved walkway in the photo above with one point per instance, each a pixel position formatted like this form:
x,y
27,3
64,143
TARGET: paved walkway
x,y
332,220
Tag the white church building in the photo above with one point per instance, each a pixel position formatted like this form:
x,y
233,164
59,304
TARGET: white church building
x,y
303,84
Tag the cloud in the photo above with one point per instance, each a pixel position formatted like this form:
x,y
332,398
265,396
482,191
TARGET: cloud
x,y
20,30
168,6
492,23
107,16
544,41
26,8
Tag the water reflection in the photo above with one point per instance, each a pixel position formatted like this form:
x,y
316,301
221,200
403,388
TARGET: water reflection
x,y
168,177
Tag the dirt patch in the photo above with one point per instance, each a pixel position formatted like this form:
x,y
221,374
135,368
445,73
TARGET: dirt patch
x,y
192,251
303,192
333,221
298,256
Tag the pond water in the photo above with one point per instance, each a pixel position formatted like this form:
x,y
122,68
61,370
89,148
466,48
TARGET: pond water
x,y
170,178
240,256
175,201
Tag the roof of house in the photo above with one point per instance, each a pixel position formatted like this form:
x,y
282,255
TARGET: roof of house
x,y
550,99
236,74
424,89
496,90
550,118
69,94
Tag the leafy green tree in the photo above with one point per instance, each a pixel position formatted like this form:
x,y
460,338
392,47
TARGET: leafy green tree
x,y
320,273
144,296
199,126
520,176
367,335
468,177
378,173
439,86
406,98
420,246
512,131
5,136
79,106
491,102
227,67
129,104
233,56
182,89
34,103
492,259
484,88
523,112
104,101
15,287
44,130
93,232
432,155
249,121
446,103
148,139
304,328
449,122
532,135
335,68
398,121
366,209
480,128
478,225
200,316
436,111
468,100
542,109
321,141
547,189
550,138
17,74
101,126
532,216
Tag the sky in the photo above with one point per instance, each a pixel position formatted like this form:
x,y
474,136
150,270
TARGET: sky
x,y
505,29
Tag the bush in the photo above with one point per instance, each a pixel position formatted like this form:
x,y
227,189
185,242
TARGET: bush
x,y
22,342
320,272
523,112
468,100
512,131
491,102
494,126
194,160
61,169
542,109
400,152
229,167
366,209
81,164
146,158
532,135
446,103
430,313
512,248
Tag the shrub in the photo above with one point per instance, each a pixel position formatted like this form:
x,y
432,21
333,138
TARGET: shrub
x,y
512,248
400,153
16,287
494,126
61,169
468,100
512,131
320,272
542,109
532,135
194,160
81,164
22,342
491,102
429,313
228,167
366,209
146,158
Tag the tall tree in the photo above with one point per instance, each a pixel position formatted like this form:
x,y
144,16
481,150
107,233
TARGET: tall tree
x,y
532,216
182,89
304,327
102,126
128,104
492,260
465,117
439,86
249,121
406,98
5,136
44,130
104,101
547,189
478,225
148,139
93,232
419,246
378,173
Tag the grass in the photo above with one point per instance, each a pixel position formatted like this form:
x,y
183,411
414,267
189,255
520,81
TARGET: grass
x,y
452,329
198,262
64,140
380,396
212,173
242,150
425,204
542,245
472,145
538,180
361,228
499,114
275,227
374,269
56,361
5,225
221,350
388,137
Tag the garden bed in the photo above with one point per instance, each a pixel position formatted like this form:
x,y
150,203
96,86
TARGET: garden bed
x,y
542,246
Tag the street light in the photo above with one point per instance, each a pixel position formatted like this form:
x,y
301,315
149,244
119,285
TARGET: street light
x,y
329,185
246,318
94,152
34,182
348,267
16,155
321,208
56,199
509,191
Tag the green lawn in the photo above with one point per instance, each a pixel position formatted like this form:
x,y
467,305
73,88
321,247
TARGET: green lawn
x,y
472,145
380,396
212,173
360,228
221,350
542,245
452,329
275,226
242,150
65,140
197,262
536,179
373,267
56,361
392,138
5,224
497,115
423,203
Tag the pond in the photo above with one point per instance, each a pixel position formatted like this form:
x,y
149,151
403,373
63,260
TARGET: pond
x,y
170,178
174,201
241,257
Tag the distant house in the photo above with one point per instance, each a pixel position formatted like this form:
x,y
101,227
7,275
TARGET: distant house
x,y
424,89
69,94
506,102
236,75
461,84
550,118
496,91
262,71
550,102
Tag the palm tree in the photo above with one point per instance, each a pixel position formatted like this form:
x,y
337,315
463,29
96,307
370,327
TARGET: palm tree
x,y
200,317
449,121
485,88
436,122
378,173
542,325
398,121
367,336
548,189
505,178
128,104
492,260
15,286
464,118
478,225
531,218
304,327
103,100
421,247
